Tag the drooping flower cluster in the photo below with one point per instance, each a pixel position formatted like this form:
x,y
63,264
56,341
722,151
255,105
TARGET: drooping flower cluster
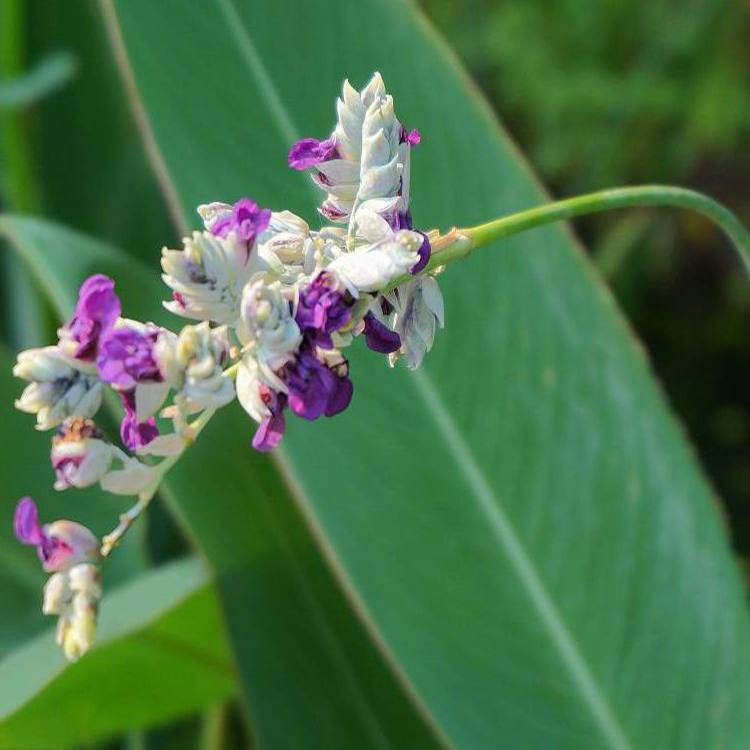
x,y
70,552
275,302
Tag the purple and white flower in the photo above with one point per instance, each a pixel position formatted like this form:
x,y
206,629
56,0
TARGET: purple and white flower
x,y
74,596
59,387
127,362
97,310
60,545
318,386
207,276
336,161
324,307
245,219
80,454
267,328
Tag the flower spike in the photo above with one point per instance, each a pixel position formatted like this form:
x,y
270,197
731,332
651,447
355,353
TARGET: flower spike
x,y
274,302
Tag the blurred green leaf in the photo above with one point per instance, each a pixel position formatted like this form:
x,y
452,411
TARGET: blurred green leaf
x,y
87,158
521,523
313,677
48,75
159,654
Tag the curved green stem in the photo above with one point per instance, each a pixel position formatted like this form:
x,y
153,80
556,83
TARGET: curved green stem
x,y
466,240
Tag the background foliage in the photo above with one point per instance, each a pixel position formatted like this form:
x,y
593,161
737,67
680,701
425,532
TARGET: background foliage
x,y
594,98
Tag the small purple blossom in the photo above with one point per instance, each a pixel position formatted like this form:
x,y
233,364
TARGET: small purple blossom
x,y
60,544
247,219
412,137
379,337
97,309
271,429
316,389
135,434
80,456
324,306
126,358
309,151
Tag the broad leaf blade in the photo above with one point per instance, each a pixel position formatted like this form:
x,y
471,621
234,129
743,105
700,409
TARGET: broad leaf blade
x,y
159,654
290,627
522,521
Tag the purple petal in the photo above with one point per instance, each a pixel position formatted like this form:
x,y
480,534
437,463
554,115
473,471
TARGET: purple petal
x,y
309,151
97,309
424,252
247,219
323,307
135,434
26,522
340,398
412,137
269,433
379,337
126,358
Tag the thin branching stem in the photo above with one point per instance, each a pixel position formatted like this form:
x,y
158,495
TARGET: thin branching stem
x,y
111,540
462,242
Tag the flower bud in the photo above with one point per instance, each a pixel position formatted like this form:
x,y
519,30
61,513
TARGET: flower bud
x,y
59,388
80,455
267,325
324,306
245,219
78,611
192,364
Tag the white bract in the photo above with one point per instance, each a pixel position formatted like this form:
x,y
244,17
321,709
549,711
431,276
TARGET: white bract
x,y
192,362
80,460
267,328
418,310
385,257
340,177
59,388
207,276
73,594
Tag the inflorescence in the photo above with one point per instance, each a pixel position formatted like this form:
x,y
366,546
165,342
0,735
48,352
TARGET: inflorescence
x,y
277,305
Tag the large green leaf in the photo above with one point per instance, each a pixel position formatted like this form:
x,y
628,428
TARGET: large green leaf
x,y
521,522
159,654
312,675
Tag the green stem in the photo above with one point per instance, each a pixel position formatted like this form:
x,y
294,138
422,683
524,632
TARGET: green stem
x,y
111,540
466,240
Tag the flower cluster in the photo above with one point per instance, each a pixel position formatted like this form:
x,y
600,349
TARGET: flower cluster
x,y
274,304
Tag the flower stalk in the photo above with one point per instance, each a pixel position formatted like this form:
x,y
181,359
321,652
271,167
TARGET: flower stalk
x,y
459,243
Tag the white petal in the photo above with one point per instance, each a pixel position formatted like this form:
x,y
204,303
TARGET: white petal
x,y
148,399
